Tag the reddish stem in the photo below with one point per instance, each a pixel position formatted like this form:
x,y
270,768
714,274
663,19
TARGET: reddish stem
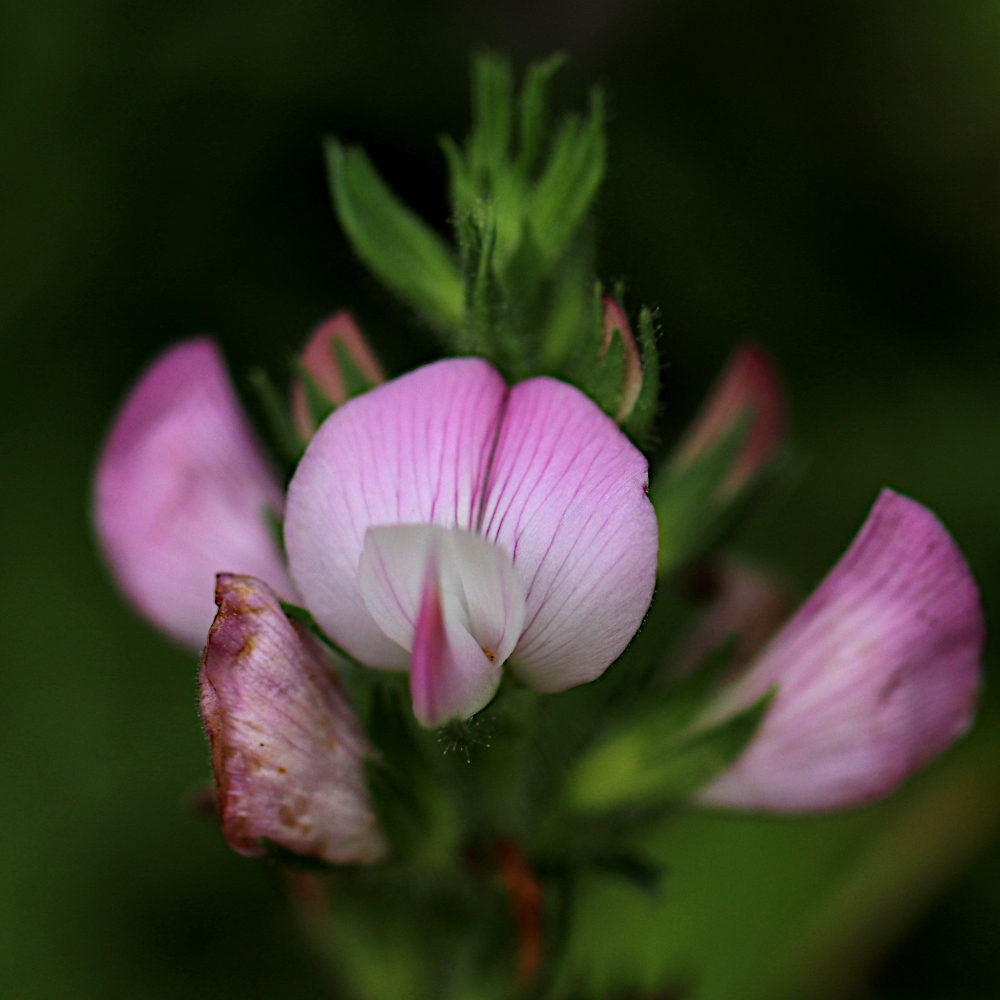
x,y
526,903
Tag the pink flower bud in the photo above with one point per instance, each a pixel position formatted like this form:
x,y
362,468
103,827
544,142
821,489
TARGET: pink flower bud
x,y
615,319
322,361
876,673
287,749
748,390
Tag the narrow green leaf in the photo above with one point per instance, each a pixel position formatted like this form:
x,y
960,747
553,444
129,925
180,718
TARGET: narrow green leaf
x,y
534,112
277,414
570,181
399,248
492,120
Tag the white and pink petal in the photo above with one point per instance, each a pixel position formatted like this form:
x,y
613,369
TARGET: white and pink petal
x,y
454,602
413,451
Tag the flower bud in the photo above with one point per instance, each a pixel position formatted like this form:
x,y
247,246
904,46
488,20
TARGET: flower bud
x,y
747,391
734,440
336,363
631,384
745,606
287,750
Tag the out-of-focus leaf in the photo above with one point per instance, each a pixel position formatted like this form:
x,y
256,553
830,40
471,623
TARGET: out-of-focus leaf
x,y
401,249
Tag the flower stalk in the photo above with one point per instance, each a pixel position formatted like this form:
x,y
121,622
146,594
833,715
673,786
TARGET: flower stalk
x,y
517,678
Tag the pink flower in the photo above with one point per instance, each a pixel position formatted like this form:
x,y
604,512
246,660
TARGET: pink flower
x,y
876,673
441,523
445,522
183,492
287,749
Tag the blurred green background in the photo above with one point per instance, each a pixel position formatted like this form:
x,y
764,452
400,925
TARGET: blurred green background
x,y
823,178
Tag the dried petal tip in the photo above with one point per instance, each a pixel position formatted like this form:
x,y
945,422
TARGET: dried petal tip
x,y
287,749
183,492
748,390
615,319
876,673
338,364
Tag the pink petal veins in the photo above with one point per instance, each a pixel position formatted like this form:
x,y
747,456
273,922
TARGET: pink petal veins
x,y
183,492
877,672
567,498
415,450
287,750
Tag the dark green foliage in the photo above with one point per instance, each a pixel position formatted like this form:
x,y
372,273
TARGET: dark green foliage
x,y
287,445
519,289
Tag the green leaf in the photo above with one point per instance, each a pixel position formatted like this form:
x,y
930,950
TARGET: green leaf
x,y
534,116
400,249
567,188
649,761
492,119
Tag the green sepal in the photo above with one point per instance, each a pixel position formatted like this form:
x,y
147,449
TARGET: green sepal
x,y
484,298
492,119
402,250
691,505
355,381
639,423
286,440
650,760
397,774
534,112
319,405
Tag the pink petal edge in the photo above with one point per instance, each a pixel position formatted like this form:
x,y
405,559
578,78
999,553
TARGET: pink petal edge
x,y
182,492
877,672
567,499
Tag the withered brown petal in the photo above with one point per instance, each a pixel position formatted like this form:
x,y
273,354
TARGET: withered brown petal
x,y
287,749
